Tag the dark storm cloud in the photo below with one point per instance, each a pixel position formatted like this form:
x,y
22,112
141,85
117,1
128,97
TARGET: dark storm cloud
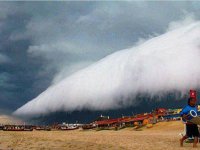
x,y
3,59
18,73
42,42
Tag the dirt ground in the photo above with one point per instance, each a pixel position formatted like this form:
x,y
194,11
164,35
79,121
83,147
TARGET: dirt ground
x,y
164,135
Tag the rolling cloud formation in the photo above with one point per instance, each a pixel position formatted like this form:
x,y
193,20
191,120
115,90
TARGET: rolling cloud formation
x,y
159,65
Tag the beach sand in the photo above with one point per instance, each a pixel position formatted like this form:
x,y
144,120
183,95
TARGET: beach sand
x,y
163,135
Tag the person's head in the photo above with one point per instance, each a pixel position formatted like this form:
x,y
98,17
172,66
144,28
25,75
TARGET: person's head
x,y
192,101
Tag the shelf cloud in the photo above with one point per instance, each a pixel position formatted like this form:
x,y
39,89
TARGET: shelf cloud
x,y
161,64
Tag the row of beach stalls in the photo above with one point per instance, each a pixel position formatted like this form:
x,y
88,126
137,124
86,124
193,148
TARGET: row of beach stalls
x,y
130,121
158,115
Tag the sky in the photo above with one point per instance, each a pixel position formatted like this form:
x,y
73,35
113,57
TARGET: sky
x,y
42,43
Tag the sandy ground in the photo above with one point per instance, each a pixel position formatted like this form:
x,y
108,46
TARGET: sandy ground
x,y
163,135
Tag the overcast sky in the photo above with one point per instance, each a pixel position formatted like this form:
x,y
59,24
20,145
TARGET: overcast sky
x,y
43,42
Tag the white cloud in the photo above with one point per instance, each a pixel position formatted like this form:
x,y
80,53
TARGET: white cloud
x,y
162,64
186,20
65,39
70,36
68,70
62,47
88,33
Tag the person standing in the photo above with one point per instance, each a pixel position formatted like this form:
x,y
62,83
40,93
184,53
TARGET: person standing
x,y
191,128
